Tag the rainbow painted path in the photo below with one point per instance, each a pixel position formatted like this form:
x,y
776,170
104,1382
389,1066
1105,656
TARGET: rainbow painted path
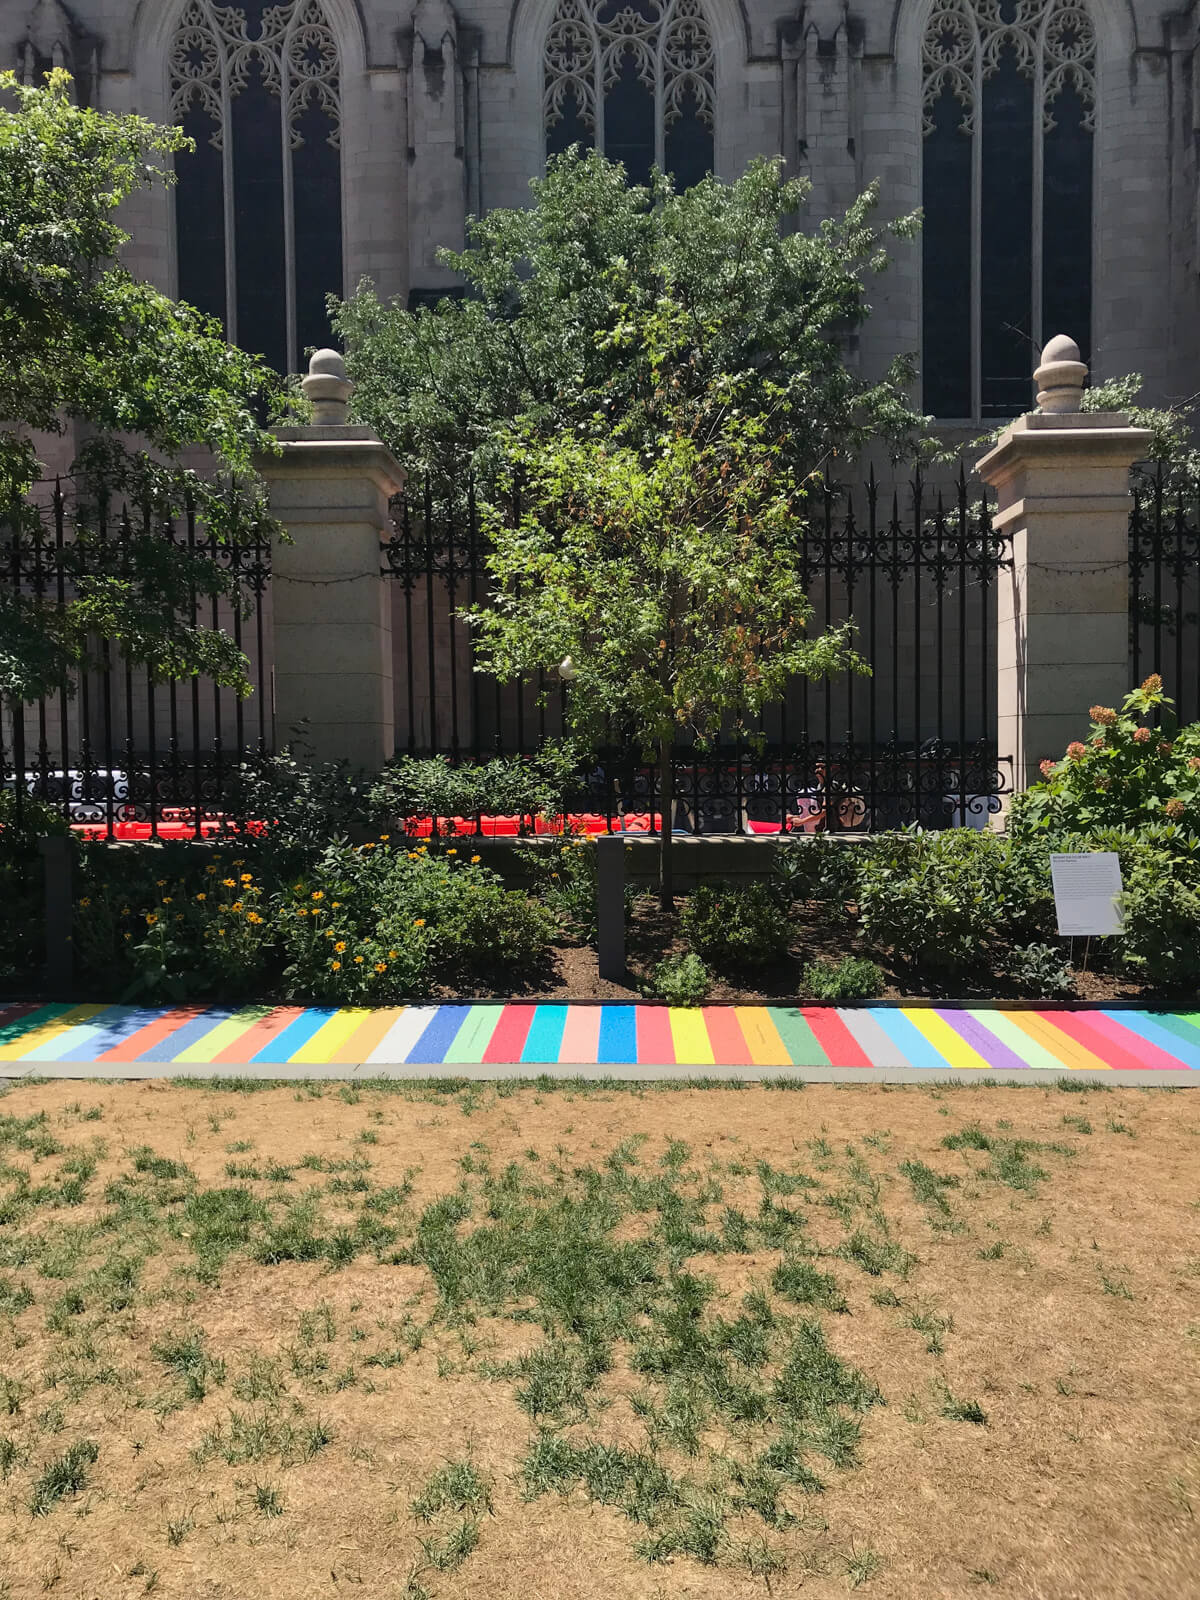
x,y
282,1041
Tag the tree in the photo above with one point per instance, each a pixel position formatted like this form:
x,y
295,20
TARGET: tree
x,y
665,567
552,293
85,346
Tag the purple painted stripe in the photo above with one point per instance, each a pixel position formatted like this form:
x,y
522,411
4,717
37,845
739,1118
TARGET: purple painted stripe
x,y
994,1051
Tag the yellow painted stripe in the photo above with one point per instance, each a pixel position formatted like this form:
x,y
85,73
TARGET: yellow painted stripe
x,y
762,1037
949,1044
332,1035
48,1030
221,1035
1067,1050
693,1047
358,1045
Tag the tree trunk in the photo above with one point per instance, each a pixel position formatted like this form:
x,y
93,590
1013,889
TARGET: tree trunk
x,y
666,779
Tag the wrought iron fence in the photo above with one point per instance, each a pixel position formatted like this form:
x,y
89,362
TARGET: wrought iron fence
x,y
1164,586
115,748
912,742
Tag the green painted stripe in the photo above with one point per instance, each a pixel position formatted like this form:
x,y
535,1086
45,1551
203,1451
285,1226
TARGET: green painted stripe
x,y
474,1036
798,1038
33,1019
1018,1041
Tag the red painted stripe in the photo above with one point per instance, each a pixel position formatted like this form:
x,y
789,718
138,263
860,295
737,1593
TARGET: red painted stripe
x,y
655,1041
257,1035
153,1033
834,1037
1078,1025
1150,1054
729,1045
512,1030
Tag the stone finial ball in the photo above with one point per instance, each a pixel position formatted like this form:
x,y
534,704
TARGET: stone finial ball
x,y
327,363
1060,348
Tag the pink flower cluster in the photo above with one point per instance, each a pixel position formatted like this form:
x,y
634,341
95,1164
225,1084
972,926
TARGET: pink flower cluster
x,y
1141,735
1104,715
1076,751
1046,768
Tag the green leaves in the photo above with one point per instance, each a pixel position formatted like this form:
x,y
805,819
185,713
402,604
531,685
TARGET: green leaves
x,y
83,342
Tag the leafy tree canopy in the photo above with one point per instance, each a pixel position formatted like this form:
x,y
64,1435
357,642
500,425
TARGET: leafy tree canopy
x,y
86,348
556,296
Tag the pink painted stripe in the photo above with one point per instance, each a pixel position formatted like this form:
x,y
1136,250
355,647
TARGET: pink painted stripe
x,y
257,1035
512,1030
834,1037
1113,1047
725,1034
153,1033
655,1041
581,1036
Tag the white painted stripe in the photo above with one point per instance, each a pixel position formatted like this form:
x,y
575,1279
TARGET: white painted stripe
x,y
401,1036
879,1048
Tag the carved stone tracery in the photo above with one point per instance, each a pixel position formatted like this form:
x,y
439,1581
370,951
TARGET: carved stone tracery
x,y
214,56
965,40
669,42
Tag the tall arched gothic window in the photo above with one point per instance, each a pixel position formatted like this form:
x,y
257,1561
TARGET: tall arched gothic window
x,y
635,79
258,211
1009,106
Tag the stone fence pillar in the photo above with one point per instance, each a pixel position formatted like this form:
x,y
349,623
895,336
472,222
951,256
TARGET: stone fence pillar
x,y
1061,477
332,608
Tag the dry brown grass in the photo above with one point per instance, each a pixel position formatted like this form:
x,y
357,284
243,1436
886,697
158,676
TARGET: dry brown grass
x,y
1079,1339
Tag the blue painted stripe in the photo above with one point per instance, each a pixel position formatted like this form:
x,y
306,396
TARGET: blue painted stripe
x,y
911,1040
544,1039
298,1032
107,1030
167,1049
618,1036
1143,1024
439,1035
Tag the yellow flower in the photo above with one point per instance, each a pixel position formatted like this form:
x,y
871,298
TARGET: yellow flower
x,y
210,869
201,897
451,852
391,955
221,931
129,936
247,877
369,846
159,882
336,965
302,912
241,862
236,906
381,966
340,946
124,911
318,911
179,916
358,961
230,883
474,859
167,900
412,855
419,923
385,836
254,917
152,917
85,901
335,904
318,894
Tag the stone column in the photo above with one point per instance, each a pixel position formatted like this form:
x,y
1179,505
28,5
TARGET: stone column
x,y
332,609
1061,478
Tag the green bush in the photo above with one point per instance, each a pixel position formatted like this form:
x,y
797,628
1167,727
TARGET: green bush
x,y
1041,971
735,927
851,978
1127,774
22,881
820,870
504,787
934,899
683,980
1161,938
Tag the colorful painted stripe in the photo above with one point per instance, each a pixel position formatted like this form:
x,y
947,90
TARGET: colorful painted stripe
x,y
767,1038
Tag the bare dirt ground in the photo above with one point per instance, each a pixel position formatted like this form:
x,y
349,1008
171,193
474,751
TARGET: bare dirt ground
x,y
773,1341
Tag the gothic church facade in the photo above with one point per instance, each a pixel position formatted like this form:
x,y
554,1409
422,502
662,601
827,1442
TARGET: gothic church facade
x,y
1052,145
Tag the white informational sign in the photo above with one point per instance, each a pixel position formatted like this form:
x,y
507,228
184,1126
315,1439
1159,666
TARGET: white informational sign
x,y
1087,892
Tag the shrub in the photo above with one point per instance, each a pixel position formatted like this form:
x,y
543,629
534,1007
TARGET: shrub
x,y
851,978
1125,774
936,899
682,980
1041,971
818,870
1162,917
528,786
21,882
735,927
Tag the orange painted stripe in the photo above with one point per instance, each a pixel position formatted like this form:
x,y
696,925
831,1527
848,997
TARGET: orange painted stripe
x,y
763,1038
1072,1054
365,1037
153,1033
728,1042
